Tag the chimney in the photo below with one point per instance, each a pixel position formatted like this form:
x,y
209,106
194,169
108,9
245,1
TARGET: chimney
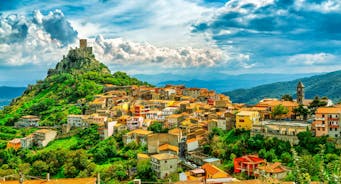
x,y
48,176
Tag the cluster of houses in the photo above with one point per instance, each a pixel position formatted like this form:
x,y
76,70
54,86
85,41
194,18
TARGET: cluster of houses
x,y
188,115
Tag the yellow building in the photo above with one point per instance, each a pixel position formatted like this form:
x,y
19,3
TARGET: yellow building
x,y
245,119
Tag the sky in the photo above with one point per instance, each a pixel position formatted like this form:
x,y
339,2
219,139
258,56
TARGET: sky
x,y
196,37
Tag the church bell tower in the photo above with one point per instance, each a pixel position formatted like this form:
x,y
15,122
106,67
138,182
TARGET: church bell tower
x,y
300,93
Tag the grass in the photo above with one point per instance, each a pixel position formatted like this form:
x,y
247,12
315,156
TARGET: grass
x,y
65,143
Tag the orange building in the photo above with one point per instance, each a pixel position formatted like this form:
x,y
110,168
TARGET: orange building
x,y
270,104
247,163
15,144
327,121
213,172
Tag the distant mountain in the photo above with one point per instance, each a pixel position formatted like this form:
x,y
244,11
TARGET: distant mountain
x,y
76,79
220,82
319,85
8,93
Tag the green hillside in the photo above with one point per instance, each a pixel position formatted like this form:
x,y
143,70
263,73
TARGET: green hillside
x,y
320,85
77,76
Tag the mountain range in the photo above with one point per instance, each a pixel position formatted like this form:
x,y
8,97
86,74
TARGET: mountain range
x,y
319,85
218,81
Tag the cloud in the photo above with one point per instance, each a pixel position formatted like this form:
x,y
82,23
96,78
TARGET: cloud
x,y
57,26
29,40
124,52
277,33
311,59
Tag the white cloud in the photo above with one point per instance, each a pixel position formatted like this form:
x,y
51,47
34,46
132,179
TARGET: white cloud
x,y
25,41
124,52
311,59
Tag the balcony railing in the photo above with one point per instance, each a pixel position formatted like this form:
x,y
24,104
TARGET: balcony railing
x,y
333,119
333,126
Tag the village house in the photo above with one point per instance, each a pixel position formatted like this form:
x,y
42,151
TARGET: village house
x,y
107,130
274,170
154,141
247,164
167,148
14,143
213,172
43,136
271,103
174,120
134,122
245,119
139,136
27,142
120,127
77,121
28,121
327,122
164,164
283,130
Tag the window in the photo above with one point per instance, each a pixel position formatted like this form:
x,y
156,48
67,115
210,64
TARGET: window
x,y
170,167
322,122
330,129
323,129
241,120
335,129
318,129
165,161
322,115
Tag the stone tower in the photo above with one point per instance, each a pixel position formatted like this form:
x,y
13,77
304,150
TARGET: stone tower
x,y
300,93
83,43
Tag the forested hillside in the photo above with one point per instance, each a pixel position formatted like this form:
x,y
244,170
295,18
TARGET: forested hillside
x,y
319,85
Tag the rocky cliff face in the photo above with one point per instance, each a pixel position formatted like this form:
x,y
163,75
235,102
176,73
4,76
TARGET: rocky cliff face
x,y
79,60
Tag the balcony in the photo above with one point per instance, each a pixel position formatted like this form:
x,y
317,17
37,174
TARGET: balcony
x,y
333,126
333,119
319,119
319,125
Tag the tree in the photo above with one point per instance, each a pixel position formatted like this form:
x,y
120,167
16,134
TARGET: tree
x,y
316,103
39,168
287,97
279,110
301,111
157,127
144,170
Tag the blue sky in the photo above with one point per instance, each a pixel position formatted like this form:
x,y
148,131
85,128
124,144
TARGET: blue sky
x,y
177,36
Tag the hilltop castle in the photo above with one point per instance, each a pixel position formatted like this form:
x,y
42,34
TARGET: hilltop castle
x,y
80,58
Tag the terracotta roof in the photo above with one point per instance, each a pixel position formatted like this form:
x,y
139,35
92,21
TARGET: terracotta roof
x,y
140,131
328,110
175,131
30,117
44,131
273,168
213,170
275,102
142,156
14,141
246,113
191,140
55,181
164,156
168,147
